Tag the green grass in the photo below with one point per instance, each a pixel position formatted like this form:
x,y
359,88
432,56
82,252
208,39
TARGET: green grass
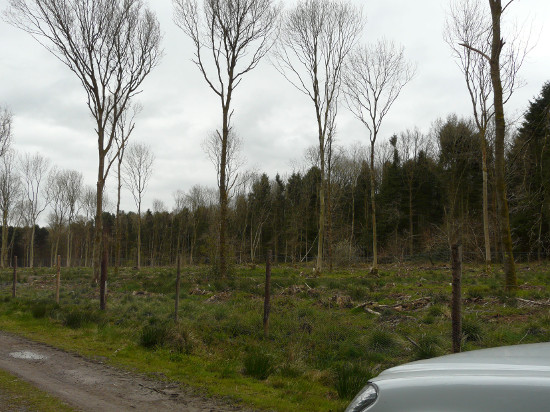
x,y
321,347
18,395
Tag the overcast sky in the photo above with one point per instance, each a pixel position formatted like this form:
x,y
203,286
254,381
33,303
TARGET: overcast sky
x,y
275,121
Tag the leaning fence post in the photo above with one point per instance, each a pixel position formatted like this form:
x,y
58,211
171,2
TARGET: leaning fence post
x,y
58,279
178,277
14,275
267,293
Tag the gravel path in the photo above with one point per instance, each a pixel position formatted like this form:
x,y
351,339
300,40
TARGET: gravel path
x,y
92,386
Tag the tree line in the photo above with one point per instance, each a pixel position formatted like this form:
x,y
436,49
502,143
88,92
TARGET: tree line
x,y
425,185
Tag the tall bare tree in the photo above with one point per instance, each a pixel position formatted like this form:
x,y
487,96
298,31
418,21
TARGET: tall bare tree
x,y
317,36
138,167
125,128
10,193
55,189
34,169
494,56
111,46
235,35
468,27
72,193
373,80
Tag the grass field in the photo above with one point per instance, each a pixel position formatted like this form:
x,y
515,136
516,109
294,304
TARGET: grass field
x,y
328,334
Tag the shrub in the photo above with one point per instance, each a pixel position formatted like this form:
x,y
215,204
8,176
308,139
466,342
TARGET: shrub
x,y
75,317
428,347
41,308
350,378
382,341
180,339
258,364
153,335
471,330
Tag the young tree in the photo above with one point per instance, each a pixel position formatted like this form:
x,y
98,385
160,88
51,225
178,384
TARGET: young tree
x,y
124,129
73,187
55,189
10,193
316,38
138,168
373,80
111,46
236,34
34,169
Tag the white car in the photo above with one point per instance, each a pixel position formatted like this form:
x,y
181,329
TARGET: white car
x,y
505,379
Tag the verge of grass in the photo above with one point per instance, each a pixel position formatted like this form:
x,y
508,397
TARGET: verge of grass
x,y
18,395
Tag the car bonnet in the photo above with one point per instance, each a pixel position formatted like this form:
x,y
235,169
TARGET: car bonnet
x,y
532,360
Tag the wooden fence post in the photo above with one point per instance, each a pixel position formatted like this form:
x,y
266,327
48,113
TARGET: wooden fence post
x,y
178,278
58,279
14,276
267,294
456,310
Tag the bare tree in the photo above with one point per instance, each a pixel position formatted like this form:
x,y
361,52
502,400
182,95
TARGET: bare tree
x,y
88,204
72,193
111,46
10,193
6,121
236,35
34,169
317,36
55,190
125,128
495,56
468,27
138,167
373,80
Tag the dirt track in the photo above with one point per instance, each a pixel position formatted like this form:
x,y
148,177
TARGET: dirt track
x,y
92,386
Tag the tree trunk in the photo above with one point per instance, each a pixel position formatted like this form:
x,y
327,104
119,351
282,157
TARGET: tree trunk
x,y
267,294
31,249
178,279
139,239
223,194
456,310
374,269
14,286
4,238
500,131
411,227
68,264
103,282
486,232
98,234
321,235
352,224
118,235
